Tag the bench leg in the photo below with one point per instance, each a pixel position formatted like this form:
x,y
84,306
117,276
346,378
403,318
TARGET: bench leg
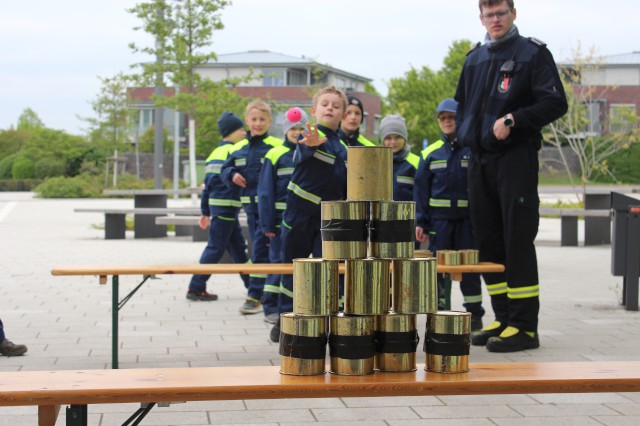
x,y
114,226
77,415
48,414
569,231
632,273
115,302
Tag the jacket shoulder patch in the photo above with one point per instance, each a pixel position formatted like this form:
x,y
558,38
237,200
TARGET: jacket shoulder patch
x,y
537,41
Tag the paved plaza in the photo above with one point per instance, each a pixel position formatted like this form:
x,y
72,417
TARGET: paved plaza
x,y
66,323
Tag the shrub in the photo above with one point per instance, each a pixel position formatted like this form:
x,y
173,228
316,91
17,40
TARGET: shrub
x,y
49,167
6,165
23,168
81,186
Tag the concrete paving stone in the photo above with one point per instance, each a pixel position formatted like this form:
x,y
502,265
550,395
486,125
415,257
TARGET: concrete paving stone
x,y
274,404
486,400
215,363
573,398
391,401
441,422
360,414
618,421
563,410
364,423
626,409
465,411
240,356
544,421
169,363
260,416
160,418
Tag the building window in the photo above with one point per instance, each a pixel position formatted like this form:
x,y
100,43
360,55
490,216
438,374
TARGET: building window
x,y
623,118
296,77
341,83
273,78
594,112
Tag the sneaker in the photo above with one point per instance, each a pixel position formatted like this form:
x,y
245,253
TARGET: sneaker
x,y
8,348
274,334
476,322
251,307
480,337
512,340
272,318
201,296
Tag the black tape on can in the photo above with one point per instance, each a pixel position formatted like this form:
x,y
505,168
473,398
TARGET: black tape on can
x,y
352,347
303,347
343,230
403,342
392,231
447,344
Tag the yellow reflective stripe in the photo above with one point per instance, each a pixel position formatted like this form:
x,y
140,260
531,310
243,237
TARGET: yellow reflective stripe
x,y
271,289
463,203
324,156
286,225
257,276
213,168
436,165
222,202
281,206
229,219
303,194
285,171
405,179
283,290
247,199
498,288
473,299
434,202
524,292
240,162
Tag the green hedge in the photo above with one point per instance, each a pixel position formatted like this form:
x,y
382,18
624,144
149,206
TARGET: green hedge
x,y
19,184
81,186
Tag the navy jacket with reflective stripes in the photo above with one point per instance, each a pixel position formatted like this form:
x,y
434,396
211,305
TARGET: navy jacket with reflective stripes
x,y
404,172
217,198
272,188
246,158
440,189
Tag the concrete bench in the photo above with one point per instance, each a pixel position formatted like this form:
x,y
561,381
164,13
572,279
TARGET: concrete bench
x,y
147,271
50,390
143,222
569,221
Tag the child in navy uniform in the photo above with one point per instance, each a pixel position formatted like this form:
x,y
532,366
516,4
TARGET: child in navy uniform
x,y
272,201
219,206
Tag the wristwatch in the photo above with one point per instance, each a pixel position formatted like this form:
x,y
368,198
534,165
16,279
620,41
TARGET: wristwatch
x,y
508,120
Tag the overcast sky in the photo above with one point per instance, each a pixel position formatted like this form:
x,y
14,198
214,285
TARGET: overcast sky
x,y
52,52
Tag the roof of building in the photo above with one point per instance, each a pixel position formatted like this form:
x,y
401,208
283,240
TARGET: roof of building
x,y
266,58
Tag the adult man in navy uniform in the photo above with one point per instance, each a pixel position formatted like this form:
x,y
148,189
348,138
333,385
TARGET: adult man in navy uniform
x,y
508,90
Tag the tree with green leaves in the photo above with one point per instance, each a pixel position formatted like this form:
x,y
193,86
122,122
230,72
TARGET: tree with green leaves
x,y
112,124
592,147
29,120
416,95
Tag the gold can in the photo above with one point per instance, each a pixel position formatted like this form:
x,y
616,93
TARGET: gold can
x,y
448,257
396,342
366,287
414,286
303,344
422,253
469,257
447,342
315,286
352,345
370,173
392,229
344,229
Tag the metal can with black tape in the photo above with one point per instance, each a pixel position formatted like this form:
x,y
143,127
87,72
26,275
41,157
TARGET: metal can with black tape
x,y
370,173
447,342
315,286
343,229
396,343
366,287
392,229
352,346
414,286
303,344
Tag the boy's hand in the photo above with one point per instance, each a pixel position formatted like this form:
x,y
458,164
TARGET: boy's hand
x,y
204,222
421,236
239,180
310,137
270,234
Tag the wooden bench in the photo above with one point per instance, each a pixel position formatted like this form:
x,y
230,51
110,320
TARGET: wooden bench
x,y
144,220
569,221
49,390
147,271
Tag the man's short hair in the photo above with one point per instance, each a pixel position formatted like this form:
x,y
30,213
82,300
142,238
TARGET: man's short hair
x,y
331,89
489,3
260,106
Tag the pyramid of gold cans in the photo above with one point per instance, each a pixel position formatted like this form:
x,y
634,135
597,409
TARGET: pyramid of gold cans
x,y
385,287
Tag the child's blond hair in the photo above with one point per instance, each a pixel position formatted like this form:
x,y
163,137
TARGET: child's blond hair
x,y
260,106
334,90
